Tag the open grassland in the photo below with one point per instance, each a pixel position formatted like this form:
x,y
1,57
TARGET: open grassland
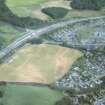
x,y
28,95
41,63
24,2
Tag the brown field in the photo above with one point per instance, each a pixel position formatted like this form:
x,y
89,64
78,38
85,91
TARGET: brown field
x,y
41,63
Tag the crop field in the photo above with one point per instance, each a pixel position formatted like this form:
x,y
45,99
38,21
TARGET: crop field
x,y
41,63
28,95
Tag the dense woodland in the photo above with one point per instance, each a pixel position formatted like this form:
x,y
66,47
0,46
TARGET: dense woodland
x,y
88,4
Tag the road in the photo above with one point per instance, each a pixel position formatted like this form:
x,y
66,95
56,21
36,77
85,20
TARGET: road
x,y
36,33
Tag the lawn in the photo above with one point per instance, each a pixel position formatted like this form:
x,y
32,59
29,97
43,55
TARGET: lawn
x,y
29,95
41,63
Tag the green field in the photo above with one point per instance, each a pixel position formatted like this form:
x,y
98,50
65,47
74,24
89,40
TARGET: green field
x,y
24,2
29,95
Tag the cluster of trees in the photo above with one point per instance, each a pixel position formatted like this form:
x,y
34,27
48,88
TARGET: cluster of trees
x,y
88,4
55,12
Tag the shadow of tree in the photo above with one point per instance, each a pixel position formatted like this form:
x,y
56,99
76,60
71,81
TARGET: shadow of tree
x,y
7,15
